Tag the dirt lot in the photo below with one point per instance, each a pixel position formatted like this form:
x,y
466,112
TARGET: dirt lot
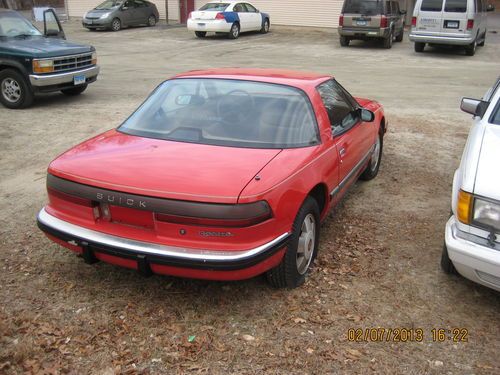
x,y
379,256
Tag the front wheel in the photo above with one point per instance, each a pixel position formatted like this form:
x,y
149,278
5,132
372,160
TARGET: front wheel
x,y
344,41
200,34
373,166
234,33
116,24
77,90
470,50
419,47
265,27
301,250
15,92
151,21
446,263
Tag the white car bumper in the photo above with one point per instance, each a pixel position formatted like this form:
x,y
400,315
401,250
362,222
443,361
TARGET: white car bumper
x,y
441,39
472,257
218,26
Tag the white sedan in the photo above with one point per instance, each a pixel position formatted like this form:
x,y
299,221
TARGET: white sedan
x,y
472,242
230,17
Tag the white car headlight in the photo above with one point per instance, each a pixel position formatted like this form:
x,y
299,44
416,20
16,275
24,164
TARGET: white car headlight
x,y
105,15
486,214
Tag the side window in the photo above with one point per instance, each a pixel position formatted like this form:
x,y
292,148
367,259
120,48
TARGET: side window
x,y
239,8
388,7
250,8
395,7
340,111
139,3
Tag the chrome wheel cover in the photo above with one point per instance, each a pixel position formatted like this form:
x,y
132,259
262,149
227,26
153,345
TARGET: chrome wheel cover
x,y
116,25
152,21
307,241
375,156
235,31
11,90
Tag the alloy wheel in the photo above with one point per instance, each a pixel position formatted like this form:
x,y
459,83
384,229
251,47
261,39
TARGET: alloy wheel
x,y
11,90
307,240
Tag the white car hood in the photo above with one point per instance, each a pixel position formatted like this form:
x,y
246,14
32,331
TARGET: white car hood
x,y
488,167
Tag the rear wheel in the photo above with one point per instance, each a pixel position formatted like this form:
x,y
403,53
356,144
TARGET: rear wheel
x,y
470,50
265,27
388,41
446,263
301,250
344,41
419,47
483,41
116,24
15,92
234,33
77,90
200,34
372,168
151,20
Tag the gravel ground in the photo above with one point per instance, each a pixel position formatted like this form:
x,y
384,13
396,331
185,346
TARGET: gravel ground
x,y
379,255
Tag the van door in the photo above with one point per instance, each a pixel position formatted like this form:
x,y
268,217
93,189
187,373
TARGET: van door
x,y
429,17
454,18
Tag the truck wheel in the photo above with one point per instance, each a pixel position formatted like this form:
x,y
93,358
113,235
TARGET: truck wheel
x,y
15,91
373,166
419,47
235,31
446,263
301,250
470,50
388,41
74,91
344,41
200,34
400,36
116,24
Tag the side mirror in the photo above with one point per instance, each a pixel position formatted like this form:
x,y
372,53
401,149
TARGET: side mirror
x,y
490,8
366,115
474,106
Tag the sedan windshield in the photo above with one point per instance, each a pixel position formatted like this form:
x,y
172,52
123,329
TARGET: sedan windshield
x,y
14,25
365,7
218,7
226,112
109,4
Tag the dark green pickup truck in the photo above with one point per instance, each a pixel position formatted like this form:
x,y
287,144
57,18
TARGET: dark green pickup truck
x,y
33,62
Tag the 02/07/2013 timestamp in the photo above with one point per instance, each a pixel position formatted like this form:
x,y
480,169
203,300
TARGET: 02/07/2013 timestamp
x,y
379,334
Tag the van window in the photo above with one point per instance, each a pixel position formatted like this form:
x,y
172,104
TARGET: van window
x,y
365,7
432,5
458,6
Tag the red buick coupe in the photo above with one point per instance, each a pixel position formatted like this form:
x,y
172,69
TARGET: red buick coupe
x,y
220,174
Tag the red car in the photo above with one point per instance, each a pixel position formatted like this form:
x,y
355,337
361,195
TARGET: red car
x,y
220,174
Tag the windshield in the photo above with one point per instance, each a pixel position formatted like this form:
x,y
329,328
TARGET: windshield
x,y
13,25
218,7
366,7
226,113
109,4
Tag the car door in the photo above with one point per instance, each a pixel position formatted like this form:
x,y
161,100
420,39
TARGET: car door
x,y
51,26
429,17
244,17
142,11
254,16
353,138
127,13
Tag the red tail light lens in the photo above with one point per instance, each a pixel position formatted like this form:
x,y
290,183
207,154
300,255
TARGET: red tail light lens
x,y
414,21
71,198
341,20
383,21
470,24
220,16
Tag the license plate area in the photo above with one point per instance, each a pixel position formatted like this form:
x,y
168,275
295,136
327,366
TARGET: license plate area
x,y
79,80
361,23
201,24
451,24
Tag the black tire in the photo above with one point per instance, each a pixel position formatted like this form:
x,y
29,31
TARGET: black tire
x,y
74,91
470,50
200,34
483,41
400,36
265,27
234,33
387,42
419,47
116,24
344,41
371,170
286,274
15,91
446,263
152,21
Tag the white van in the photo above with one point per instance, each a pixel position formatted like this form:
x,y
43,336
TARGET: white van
x,y
456,22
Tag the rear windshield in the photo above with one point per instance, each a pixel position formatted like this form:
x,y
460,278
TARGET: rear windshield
x,y
432,5
458,6
367,7
225,112
218,7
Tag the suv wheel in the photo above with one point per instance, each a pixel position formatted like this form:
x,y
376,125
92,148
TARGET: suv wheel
x,y
15,92
344,41
419,47
470,50
388,40
400,36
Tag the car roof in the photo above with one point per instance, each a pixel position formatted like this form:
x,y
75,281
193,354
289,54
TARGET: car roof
x,y
281,76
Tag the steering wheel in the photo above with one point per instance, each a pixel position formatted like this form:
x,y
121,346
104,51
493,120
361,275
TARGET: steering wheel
x,y
235,107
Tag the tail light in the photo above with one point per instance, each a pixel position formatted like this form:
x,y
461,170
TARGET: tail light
x,y
470,24
71,198
341,20
383,21
414,21
239,215
220,16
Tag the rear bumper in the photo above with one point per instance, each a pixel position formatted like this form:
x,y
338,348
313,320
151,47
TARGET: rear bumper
x,y
209,25
44,82
433,39
363,33
149,257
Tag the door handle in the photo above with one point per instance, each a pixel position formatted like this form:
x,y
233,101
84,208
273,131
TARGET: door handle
x,y
342,151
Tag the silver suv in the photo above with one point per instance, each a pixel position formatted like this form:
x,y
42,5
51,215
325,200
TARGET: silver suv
x,y
371,19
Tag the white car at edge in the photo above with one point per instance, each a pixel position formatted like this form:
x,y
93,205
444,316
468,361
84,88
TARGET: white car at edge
x,y
472,241
231,17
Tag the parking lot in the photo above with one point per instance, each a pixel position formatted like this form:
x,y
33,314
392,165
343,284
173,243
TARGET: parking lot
x,y
379,256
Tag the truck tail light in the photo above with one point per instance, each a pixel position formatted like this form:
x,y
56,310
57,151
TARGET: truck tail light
x,y
470,24
341,20
414,21
383,21
220,16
